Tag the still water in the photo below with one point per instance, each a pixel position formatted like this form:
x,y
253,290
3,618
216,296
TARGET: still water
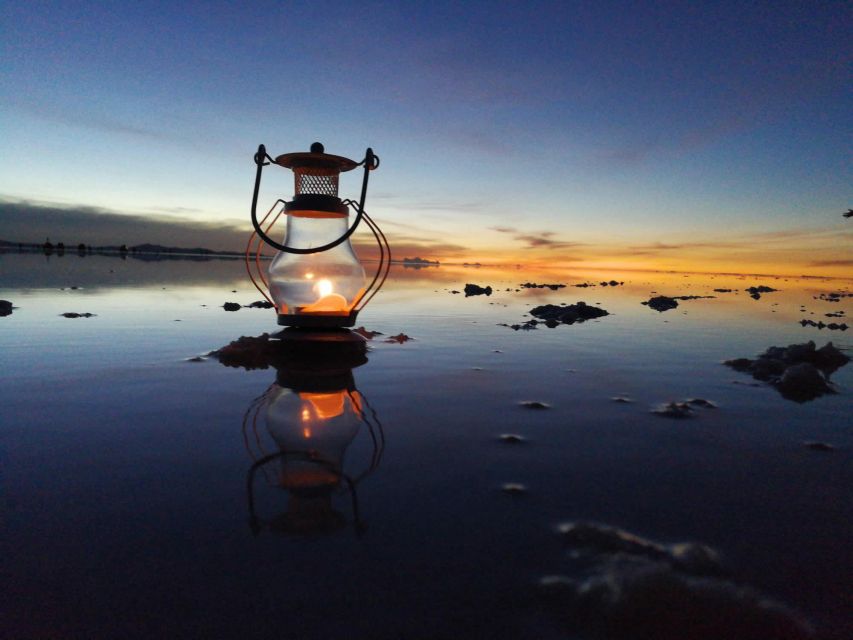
x,y
143,497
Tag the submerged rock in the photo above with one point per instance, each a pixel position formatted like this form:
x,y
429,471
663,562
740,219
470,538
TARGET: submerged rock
x,y
534,404
554,314
682,409
755,292
477,290
701,402
533,285
513,488
674,410
832,326
661,303
260,304
665,303
802,381
400,338
364,333
512,438
818,446
5,308
800,372
620,585
231,306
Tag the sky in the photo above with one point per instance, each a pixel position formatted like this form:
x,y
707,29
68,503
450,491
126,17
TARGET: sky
x,y
699,136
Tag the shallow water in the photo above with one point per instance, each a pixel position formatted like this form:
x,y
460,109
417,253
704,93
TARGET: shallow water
x,y
126,508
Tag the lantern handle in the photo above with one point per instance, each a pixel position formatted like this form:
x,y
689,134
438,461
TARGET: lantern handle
x,y
370,162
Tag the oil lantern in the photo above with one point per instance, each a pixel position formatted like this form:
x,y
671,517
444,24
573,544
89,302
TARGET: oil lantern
x,y
315,280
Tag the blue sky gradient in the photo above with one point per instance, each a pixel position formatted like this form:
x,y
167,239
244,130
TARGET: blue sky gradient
x,y
596,123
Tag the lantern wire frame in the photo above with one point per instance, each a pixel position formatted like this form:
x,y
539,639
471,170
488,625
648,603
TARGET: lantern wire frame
x,y
254,253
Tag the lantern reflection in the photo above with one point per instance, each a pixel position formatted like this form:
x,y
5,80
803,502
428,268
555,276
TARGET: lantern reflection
x,y
298,433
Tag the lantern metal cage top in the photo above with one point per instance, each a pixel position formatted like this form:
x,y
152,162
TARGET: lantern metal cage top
x,y
316,181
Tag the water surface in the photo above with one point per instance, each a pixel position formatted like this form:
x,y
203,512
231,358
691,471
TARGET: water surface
x,y
125,463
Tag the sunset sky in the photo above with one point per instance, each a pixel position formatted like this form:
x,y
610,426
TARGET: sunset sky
x,y
698,136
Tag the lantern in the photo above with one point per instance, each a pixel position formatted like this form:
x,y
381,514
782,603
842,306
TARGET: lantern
x,y
311,414
315,280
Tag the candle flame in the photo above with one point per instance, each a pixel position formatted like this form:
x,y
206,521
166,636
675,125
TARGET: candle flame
x,y
324,287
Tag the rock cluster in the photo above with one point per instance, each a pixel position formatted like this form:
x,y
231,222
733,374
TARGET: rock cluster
x,y
623,586
554,314
665,303
800,372
534,285
833,297
755,292
832,326
682,409
477,290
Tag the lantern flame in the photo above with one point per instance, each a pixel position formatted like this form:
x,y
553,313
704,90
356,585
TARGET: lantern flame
x,y
324,287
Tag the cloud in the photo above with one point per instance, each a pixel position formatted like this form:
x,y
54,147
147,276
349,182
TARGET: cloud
x,y
85,118
832,263
544,240
32,222
504,229
29,222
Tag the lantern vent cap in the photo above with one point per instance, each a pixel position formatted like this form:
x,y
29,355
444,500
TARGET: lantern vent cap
x,y
316,161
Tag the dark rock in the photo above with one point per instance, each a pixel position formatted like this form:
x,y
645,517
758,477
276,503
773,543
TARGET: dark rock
x,y
799,371
513,488
621,399
477,290
369,335
512,438
71,314
399,338
248,352
832,326
533,285
623,586
828,358
723,290
678,410
570,314
739,364
701,402
801,382
818,446
231,306
5,308
661,303
196,359
755,292
534,404
598,539
767,368
261,304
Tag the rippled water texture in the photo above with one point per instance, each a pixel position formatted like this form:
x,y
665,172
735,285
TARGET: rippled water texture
x,y
473,481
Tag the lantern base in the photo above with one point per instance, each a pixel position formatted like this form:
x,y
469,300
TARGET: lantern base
x,y
317,321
